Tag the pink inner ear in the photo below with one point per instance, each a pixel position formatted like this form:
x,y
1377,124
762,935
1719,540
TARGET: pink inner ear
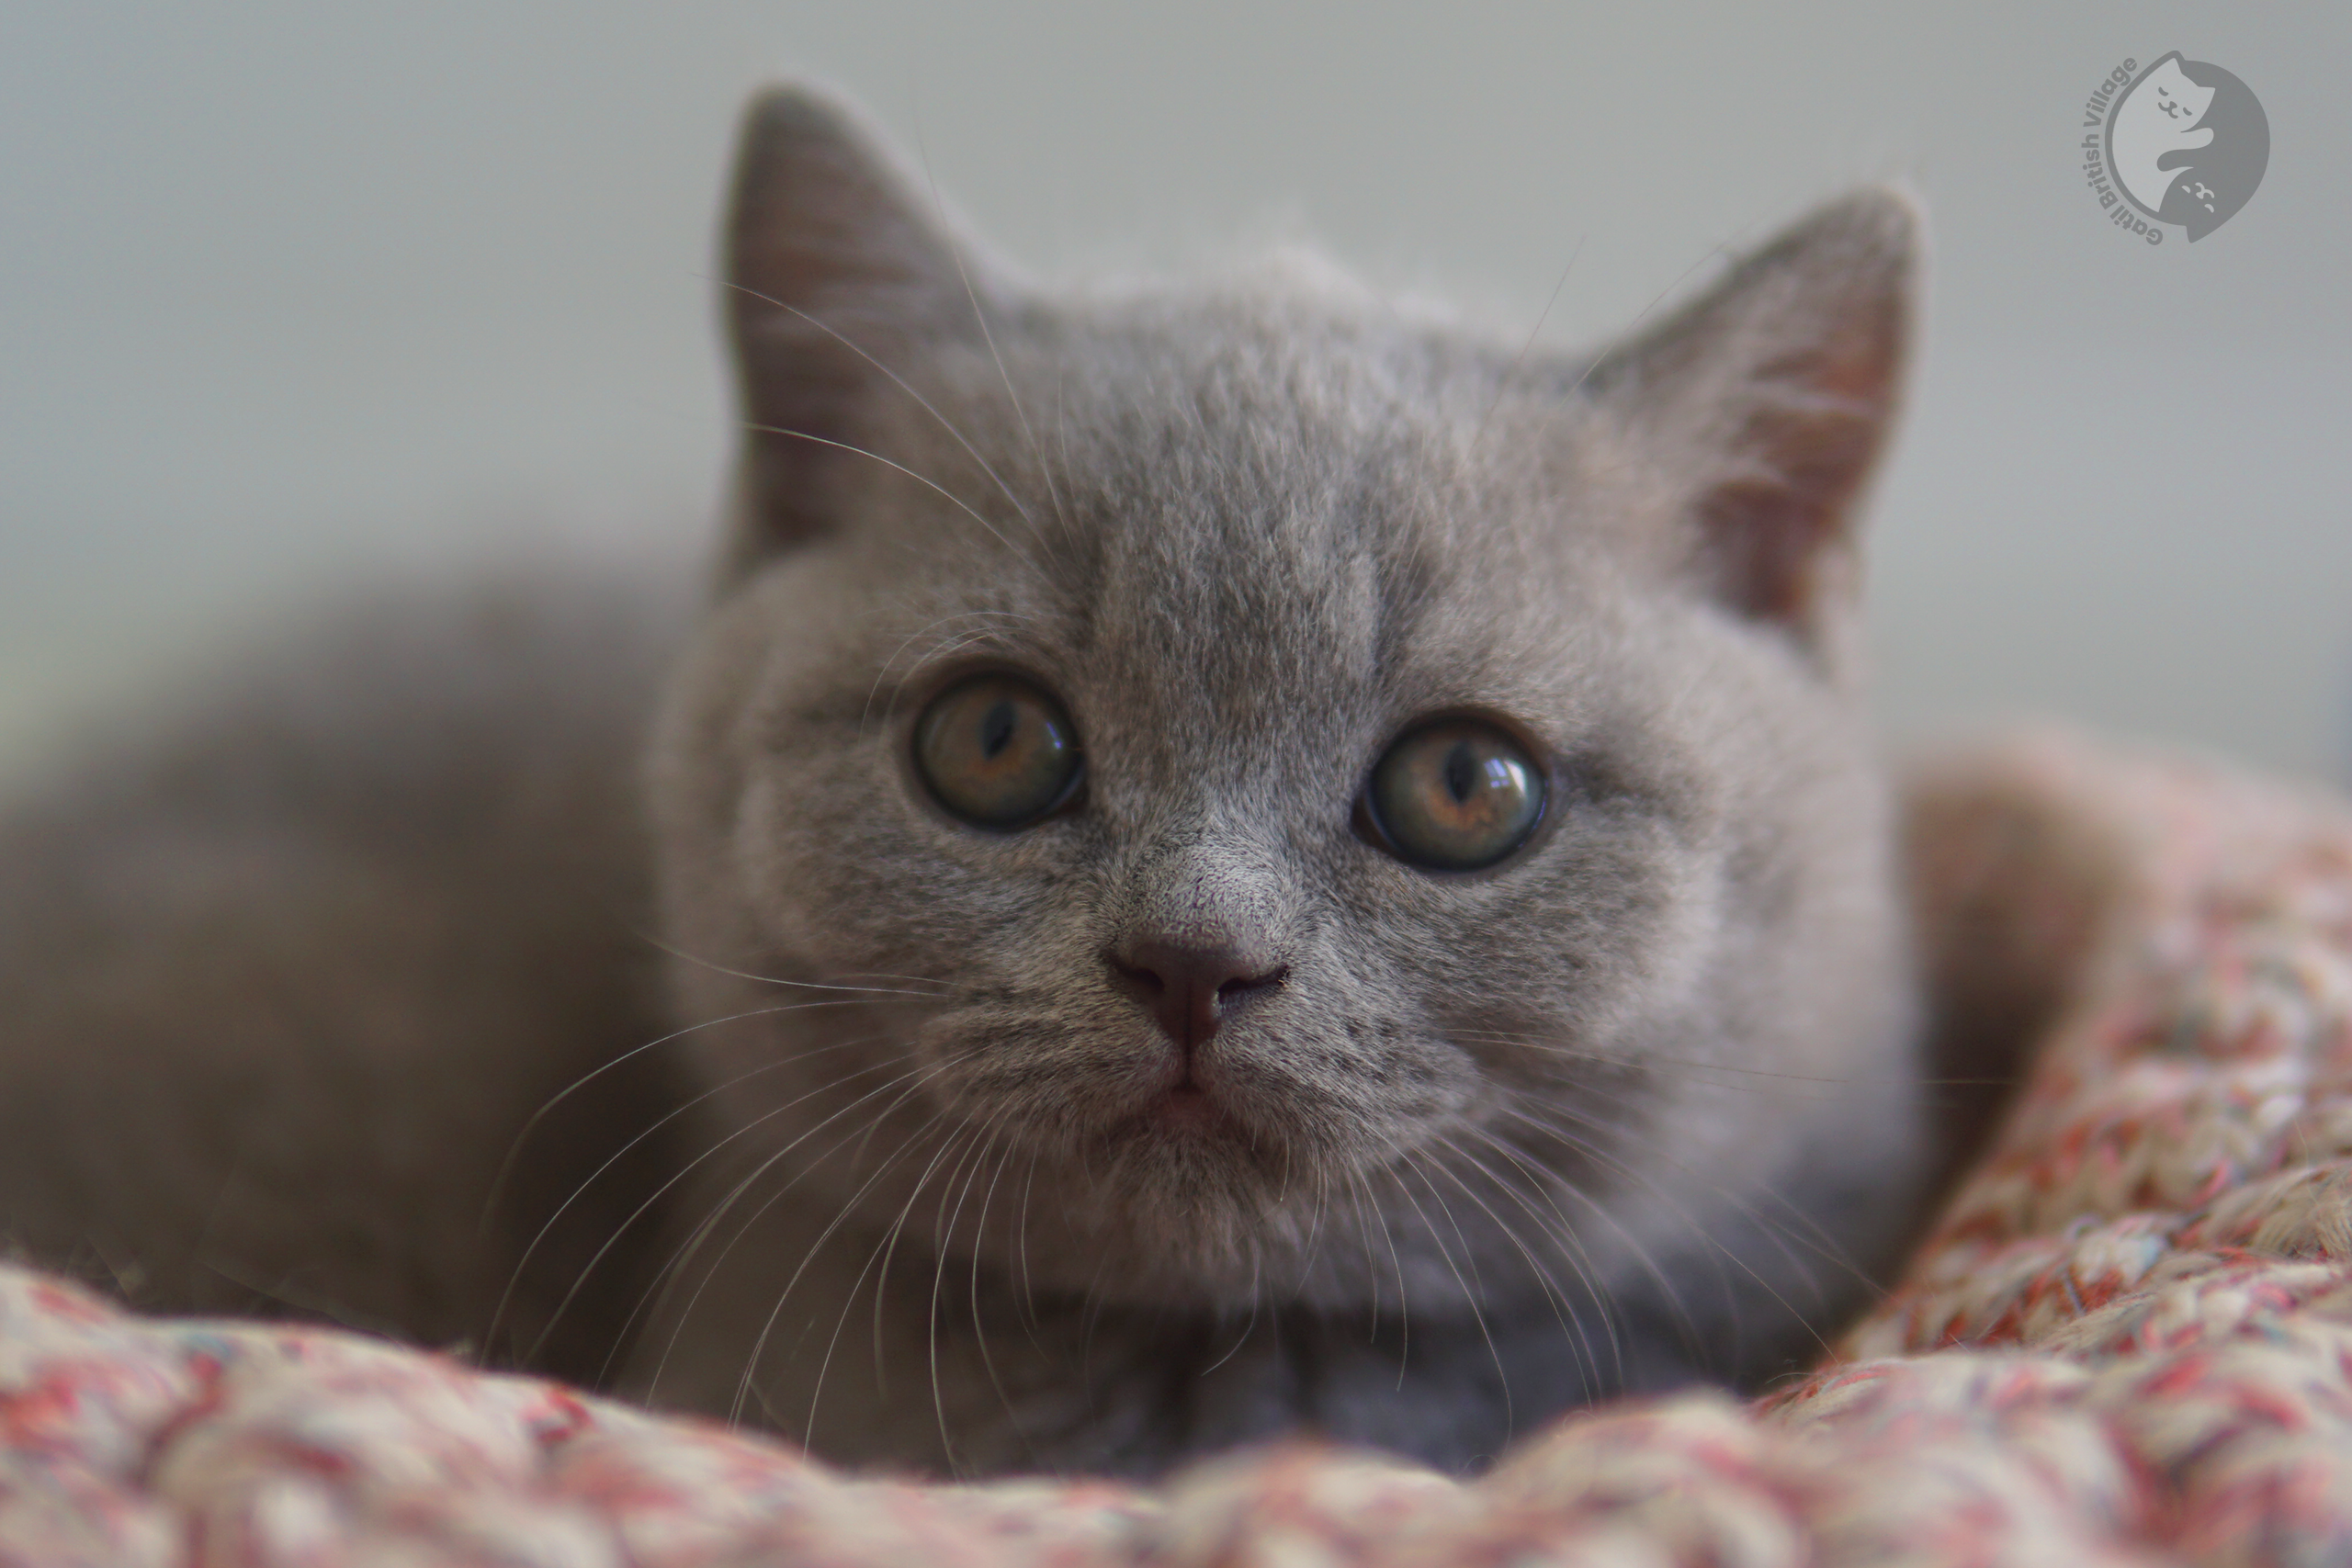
x,y
1776,533
1762,543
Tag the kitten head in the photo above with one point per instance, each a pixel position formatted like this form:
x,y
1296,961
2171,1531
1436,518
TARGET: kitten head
x,y
1221,791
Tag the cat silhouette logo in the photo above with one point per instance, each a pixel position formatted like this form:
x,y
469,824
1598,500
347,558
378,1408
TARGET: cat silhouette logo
x,y
2187,143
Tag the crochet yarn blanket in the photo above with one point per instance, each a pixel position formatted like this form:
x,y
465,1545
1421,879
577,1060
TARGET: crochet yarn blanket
x,y
2128,1340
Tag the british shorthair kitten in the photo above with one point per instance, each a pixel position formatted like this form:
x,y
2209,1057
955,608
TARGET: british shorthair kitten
x,y
1222,860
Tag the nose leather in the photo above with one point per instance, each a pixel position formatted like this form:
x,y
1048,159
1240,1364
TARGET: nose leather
x,y
1190,991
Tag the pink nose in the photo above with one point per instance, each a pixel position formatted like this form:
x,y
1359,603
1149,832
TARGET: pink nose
x,y
1191,991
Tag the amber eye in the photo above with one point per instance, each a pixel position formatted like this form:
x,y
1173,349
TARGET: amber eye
x,y
1456,795
997,752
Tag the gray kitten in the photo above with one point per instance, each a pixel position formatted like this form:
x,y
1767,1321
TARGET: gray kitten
x,y
1231,862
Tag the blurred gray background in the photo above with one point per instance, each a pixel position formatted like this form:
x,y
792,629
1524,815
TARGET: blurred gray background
x,y
293,293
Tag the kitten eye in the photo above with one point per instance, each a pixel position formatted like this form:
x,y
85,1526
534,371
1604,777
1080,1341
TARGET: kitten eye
x,y
997,752
1456,795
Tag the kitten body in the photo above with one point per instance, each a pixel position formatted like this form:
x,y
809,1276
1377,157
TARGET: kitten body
x,y
286,976
1441,1152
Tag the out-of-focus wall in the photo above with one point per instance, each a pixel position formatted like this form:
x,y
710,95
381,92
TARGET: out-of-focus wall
x,y
291,293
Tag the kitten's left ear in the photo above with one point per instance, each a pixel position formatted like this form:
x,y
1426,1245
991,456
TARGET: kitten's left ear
x,y
1767,402
842,272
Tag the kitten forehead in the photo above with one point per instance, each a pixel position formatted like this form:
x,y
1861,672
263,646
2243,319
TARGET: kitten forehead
x,y
1244,502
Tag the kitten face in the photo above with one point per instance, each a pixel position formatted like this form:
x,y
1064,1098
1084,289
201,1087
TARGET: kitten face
x,y
1203,1032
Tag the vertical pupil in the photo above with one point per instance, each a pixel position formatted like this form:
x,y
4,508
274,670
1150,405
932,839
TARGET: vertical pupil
x,y
1460,772
996,726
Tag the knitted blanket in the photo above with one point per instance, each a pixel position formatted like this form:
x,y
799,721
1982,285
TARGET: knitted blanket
x,y
2128,1340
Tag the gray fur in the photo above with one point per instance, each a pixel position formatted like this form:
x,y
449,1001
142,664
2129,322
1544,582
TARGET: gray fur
x,y
283,979
1636,1106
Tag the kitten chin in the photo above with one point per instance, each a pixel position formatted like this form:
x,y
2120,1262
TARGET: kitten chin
x,y
1240,862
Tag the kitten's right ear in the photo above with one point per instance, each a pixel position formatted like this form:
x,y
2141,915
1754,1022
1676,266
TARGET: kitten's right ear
x,y
1766,405
838,272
